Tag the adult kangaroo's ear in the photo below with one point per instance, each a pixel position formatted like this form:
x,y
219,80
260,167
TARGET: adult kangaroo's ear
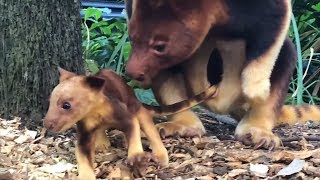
x,y
64,74
94,82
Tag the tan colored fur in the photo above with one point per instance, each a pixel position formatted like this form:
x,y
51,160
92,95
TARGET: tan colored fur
x,y
295,114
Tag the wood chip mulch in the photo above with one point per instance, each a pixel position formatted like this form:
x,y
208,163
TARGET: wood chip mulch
x,y
35,154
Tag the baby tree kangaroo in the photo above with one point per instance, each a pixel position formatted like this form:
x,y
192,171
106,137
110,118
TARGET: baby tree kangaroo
x,y
103,101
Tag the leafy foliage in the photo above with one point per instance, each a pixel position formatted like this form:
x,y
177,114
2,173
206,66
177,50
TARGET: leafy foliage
x,y
307,15
106,45
105,42
305,32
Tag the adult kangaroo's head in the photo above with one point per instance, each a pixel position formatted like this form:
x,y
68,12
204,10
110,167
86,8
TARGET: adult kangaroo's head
x,y
164,33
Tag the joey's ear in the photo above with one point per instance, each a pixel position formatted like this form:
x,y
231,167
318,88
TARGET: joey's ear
x,y
94,82
64,74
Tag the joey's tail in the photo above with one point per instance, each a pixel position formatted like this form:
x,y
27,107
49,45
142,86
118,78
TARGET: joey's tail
x,y
293,114
183,105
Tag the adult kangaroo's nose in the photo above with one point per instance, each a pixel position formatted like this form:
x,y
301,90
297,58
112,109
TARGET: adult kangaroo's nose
x,y
135,74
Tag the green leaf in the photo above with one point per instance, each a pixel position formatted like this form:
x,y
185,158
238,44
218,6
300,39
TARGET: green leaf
x,y
126,51
92,66
92,12
316,7
98,24
146,96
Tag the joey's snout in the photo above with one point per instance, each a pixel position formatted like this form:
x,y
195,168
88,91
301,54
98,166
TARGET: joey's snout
x,y
48,125
53,124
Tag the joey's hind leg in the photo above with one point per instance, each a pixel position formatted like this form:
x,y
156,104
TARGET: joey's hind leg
x,y
102,142
169,88
147,125
256,127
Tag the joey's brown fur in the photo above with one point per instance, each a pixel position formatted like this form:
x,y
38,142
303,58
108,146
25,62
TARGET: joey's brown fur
x,y
180,47
103,101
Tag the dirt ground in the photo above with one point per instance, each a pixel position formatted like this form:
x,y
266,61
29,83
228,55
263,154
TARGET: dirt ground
x,y
34,154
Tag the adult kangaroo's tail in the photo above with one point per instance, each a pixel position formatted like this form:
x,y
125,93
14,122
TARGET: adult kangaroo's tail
x,y
183,105
293,114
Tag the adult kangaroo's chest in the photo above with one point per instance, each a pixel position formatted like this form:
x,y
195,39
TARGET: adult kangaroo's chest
x,y
218,62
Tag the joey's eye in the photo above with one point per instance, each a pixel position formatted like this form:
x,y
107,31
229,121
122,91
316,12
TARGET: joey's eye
x,y
66,105
159,47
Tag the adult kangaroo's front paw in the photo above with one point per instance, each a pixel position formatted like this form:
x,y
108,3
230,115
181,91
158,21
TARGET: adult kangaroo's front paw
x,y
185,124
257,136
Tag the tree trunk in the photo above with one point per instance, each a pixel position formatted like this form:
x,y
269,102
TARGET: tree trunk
x,y
36,37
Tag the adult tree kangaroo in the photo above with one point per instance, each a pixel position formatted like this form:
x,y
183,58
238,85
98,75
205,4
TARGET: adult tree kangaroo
x,y
181,47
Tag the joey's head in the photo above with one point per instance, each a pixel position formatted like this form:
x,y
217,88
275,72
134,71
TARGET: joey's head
x,y
164,33
72,100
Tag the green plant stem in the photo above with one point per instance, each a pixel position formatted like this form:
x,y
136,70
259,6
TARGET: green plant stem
x,y
117,49
120,61
88,39
299,69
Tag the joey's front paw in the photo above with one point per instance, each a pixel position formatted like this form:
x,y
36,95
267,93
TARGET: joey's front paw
x,y
103,147
86,176
141,159
162,157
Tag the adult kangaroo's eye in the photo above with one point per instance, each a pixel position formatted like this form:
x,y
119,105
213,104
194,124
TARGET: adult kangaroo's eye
x,y
159,47
66,105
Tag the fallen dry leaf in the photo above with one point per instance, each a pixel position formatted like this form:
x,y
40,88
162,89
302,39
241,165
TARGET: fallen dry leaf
x,y
291,155
295,166
236,172
31,134
22,139
5,174
5,161
259,170
60,167
310,169
6,149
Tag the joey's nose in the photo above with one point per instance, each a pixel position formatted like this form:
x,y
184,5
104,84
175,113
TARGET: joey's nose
x,y
47,124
